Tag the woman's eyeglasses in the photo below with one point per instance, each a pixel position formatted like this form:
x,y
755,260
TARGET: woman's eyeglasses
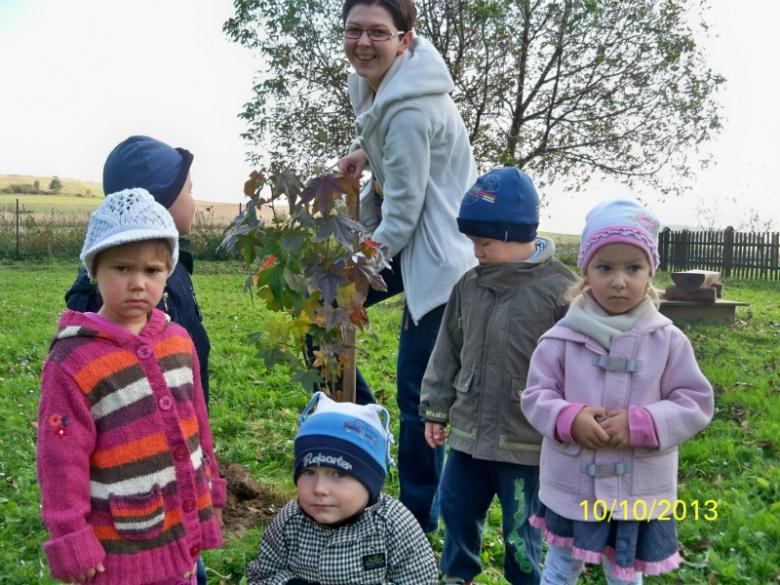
x,y
374,34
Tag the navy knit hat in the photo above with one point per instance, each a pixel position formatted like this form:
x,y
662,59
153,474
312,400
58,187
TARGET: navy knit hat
x,y
147,163
502,205
345,436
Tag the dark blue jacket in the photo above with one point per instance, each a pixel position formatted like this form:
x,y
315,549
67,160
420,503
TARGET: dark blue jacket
x,y
178,301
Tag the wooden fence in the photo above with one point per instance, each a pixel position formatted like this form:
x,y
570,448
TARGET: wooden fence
x,y
733,254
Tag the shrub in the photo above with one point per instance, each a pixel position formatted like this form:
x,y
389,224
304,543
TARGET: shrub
x,y
24,189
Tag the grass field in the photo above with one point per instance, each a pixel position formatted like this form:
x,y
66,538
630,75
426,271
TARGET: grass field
x,y
70,187
735,461
8,201
64,204
53,226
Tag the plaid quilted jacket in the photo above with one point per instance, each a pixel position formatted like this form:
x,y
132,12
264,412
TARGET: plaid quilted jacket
x,y
383,546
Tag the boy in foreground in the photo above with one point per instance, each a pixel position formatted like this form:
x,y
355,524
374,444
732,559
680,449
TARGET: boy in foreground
x,y
495,315
342,529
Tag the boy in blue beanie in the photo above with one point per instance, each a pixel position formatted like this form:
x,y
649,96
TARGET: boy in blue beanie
x,y
164,172
493,320
342,528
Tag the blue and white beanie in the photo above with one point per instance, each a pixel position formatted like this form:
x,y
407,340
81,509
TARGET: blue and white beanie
x,y
345,436
502,205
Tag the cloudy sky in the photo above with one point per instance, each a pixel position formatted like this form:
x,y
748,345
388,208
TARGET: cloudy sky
x,y
79,76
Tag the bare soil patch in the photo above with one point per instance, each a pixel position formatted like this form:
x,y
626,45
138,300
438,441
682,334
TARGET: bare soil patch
x,y
249,504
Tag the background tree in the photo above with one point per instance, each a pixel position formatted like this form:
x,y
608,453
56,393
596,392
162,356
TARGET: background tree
x,y
55,185
560,88
37,185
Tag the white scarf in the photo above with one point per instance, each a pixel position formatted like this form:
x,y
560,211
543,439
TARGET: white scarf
x,y
587,316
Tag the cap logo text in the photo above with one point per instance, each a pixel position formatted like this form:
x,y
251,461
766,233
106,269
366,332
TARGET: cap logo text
x,y
318,460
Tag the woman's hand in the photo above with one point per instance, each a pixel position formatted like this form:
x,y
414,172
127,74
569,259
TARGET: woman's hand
x,y
86,576
435,434
586,431
617,428
353,164
218,517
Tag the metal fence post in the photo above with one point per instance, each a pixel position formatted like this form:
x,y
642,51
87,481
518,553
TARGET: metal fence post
x,y
17,229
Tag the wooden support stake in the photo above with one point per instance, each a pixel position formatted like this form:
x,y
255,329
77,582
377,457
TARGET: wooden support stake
x,y
350,337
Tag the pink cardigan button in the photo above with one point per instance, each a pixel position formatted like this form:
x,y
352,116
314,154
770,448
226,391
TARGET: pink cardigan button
x,y
189,505
144,352
195,551
166,402
181,454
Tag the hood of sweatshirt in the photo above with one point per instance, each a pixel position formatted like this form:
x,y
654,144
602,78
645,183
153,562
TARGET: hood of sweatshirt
x,y
73,324
420,71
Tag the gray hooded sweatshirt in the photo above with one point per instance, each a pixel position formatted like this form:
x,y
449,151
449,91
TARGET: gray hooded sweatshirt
x,y
419,153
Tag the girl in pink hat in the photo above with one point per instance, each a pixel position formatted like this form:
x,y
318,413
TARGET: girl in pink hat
x,y
614,388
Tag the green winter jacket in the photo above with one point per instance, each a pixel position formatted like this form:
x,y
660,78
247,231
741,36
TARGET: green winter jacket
x,y
493,320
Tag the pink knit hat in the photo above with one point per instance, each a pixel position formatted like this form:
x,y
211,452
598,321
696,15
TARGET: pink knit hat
x,y
620,221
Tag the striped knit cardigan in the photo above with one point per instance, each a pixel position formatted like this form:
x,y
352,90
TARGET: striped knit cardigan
x,y
125,458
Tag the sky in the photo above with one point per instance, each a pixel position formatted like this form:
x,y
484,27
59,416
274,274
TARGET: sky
x,y
80,76
743,45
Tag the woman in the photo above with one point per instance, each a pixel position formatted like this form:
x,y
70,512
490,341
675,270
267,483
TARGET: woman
x,y
412,138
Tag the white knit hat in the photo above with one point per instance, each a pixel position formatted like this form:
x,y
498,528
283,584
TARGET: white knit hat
x,y
128,216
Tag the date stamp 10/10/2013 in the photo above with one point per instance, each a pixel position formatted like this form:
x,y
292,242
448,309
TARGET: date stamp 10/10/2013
x,y
663,510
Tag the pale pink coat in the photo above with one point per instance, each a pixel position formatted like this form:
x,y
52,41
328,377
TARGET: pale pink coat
x,y
669,386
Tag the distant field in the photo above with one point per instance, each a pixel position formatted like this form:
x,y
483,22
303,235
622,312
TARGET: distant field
x,y
63,203
37,202
74,194
69,186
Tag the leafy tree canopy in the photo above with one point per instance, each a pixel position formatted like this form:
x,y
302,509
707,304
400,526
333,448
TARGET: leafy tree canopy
x,y
55,185
559,88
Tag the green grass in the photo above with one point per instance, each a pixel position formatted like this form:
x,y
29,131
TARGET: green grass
x,y
253,412
68,203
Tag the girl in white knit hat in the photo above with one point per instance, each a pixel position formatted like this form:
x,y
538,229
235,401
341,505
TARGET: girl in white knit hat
x,y
130,489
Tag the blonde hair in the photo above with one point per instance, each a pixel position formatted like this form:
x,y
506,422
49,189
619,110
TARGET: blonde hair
x,y
582,288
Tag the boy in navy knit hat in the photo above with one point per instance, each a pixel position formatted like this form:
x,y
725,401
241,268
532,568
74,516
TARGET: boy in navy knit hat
x,y
164,172
342,528
477,372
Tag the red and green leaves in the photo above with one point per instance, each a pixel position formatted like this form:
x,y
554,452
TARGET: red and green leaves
x,y
312,264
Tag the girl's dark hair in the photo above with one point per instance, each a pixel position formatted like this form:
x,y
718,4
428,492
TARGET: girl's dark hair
x,y
403,11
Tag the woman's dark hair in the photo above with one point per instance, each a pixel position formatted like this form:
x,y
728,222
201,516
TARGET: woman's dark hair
x,y
403,11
